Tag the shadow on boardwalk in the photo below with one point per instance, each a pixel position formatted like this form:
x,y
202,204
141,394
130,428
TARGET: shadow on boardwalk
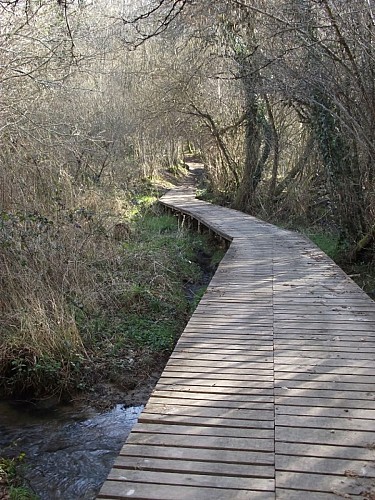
x,y
270,391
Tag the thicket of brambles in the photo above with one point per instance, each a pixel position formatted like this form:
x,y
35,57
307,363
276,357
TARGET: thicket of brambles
x,y
276,96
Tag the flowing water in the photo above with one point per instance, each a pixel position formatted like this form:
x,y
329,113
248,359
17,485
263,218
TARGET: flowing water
x,y
69,452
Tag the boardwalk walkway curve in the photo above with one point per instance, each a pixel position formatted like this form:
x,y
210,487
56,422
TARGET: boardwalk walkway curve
x,y
269,393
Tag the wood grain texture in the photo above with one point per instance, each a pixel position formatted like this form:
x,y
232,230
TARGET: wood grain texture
x,y
270,391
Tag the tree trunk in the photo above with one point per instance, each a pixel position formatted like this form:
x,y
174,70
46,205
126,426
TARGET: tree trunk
x,y
245,197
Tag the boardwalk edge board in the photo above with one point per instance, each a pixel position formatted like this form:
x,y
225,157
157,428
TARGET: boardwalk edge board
x,y
270,391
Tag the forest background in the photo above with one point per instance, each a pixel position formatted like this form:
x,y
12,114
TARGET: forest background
x,y
99,99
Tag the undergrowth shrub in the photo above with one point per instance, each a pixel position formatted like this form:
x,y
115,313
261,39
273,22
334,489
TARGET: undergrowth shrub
x,y
75,292
49,270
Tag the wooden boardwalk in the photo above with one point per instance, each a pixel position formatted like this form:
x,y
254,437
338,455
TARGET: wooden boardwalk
x,y
269,393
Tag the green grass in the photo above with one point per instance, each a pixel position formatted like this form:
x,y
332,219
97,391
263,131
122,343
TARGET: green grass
x,y
151,308
160,260
156,335
21,493
328,242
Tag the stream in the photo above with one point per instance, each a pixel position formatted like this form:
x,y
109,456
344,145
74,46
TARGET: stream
x,y
69,451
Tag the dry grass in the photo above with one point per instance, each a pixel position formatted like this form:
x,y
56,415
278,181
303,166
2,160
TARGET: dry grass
x,y
57,256
91,278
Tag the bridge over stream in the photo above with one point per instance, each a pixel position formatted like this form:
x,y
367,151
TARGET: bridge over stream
x,y
269,393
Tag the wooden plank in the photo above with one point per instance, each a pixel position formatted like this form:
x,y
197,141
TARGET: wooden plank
x,y
205,420
175,370
225,345
194,373
353,413
250,367
244,344
232,391
322,422
228,328
337,297
223,337
249,300
333,300
322,317
293,400
317,307
368,327
320,465
112,490
234,383
209,403
230,333
222,457
337,351
295,370
327,342
255,350
179,463
323,450
287,494
214,396
326,362
282,377
180,409
326,336
199,480
258,324
203,430
340,485
323,354
324,393
249,358
320,385
345,438
210,442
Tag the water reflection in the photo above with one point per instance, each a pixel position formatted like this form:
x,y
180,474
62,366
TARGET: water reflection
x,y
69,452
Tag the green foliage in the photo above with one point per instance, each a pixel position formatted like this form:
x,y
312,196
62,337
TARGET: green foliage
x,y
160,260
217,255
158,336
328,242
21,493
9,476
27,373
216,196
152,307
159,225
7,468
